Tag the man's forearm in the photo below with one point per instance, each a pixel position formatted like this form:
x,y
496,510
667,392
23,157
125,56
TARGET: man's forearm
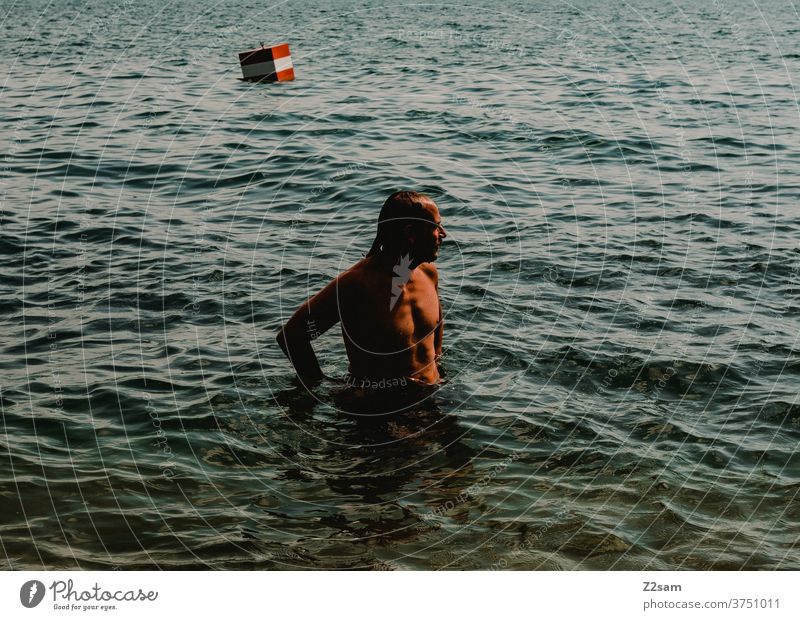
x,y
301,355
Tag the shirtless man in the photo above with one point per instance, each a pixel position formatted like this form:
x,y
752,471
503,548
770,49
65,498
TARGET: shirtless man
x,y
388,303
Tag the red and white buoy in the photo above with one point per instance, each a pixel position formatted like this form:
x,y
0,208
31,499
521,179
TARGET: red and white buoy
x,y
268,64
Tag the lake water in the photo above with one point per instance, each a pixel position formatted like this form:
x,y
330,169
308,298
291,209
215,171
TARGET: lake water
x,y
620,284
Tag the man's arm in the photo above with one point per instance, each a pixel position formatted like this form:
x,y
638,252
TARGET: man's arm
x,y
312,319
437,337
431,270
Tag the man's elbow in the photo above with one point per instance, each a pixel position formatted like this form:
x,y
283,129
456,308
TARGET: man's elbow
x,y
282,339
286,337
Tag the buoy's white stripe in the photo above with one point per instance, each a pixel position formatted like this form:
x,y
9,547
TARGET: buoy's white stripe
x,y
283,63
258,69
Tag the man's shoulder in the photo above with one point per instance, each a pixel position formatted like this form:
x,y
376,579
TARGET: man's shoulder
x,y
356,275
431,271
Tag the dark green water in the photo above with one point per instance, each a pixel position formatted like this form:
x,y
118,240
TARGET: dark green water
x,y
620,283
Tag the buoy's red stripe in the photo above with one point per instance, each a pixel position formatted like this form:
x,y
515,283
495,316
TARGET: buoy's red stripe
x,y
279,51
285,75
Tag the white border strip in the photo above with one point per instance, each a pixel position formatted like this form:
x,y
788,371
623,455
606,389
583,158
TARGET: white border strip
x,y
404,595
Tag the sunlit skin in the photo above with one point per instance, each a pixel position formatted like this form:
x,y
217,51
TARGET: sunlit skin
x,y
404,341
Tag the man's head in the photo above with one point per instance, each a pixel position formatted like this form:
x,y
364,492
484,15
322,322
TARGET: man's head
x,y
409,223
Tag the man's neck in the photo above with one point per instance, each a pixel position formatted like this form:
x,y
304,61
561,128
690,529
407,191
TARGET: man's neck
x,y
389,260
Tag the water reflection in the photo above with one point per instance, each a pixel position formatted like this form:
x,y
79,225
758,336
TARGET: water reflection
x,y
384,474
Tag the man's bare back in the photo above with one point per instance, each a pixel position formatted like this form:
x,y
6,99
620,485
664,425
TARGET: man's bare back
x,y
387,303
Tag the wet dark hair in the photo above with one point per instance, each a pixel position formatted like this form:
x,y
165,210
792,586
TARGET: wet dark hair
x,y
400,209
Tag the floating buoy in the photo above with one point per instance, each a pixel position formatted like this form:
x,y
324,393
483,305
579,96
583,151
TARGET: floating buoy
x,y
267,64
